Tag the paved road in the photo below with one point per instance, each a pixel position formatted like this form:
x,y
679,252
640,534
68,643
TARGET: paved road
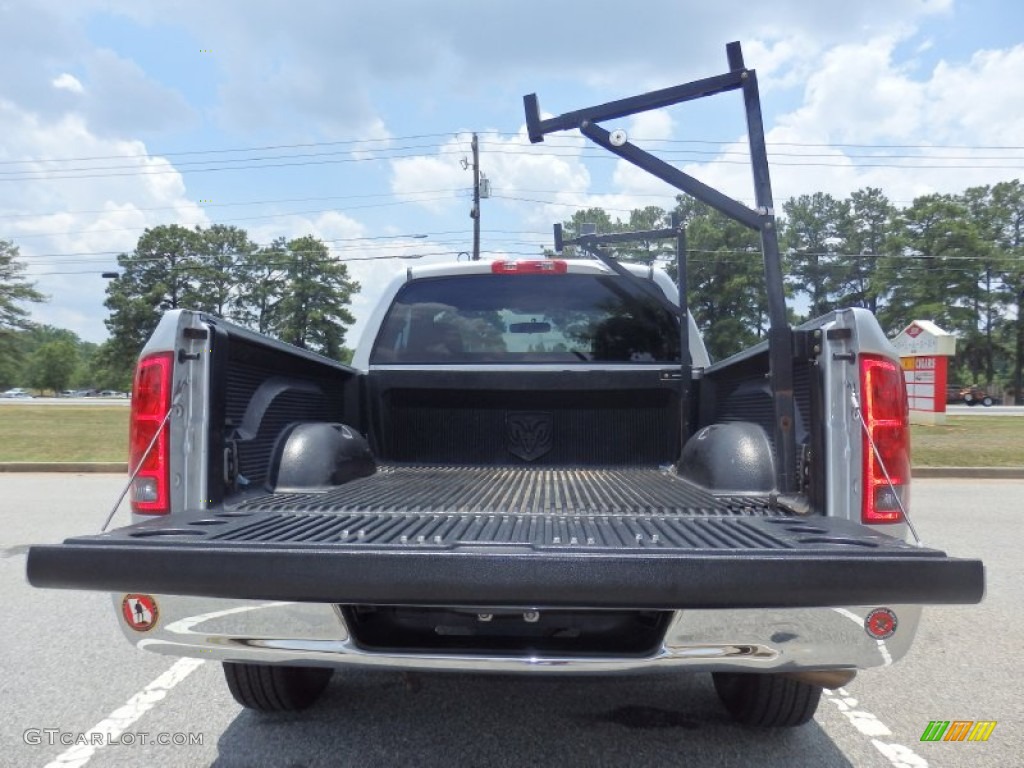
x,y
66,666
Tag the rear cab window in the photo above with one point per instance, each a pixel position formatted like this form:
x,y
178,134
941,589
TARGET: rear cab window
x,y
487,318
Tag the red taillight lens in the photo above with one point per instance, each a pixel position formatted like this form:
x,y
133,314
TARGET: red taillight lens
x,y
531,267
884,407
151,399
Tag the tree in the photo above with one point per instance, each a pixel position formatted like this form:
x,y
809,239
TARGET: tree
x,y
14,292
107,369
812,233
640,219
312,311
157,275
995,291
222,266
263,286
866,231
932,270
596,217
725,269
647,251
83,377
1008,207
52,365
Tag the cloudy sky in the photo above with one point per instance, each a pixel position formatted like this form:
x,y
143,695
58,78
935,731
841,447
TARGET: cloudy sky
x,y
351,120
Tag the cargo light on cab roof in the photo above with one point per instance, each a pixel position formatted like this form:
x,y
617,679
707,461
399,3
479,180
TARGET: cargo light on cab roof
x,y
530,267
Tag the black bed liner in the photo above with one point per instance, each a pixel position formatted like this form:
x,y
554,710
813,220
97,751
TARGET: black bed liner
x,y
517,490
468,536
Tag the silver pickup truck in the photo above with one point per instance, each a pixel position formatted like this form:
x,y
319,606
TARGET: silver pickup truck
x,y
530,466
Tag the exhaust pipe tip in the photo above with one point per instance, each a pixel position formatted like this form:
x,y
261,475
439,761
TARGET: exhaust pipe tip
x,y
826,678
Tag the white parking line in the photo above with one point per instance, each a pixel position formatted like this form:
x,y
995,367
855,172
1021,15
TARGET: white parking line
x,y
109,729
865,722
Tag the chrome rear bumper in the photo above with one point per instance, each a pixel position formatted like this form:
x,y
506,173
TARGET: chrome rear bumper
x,y
312,634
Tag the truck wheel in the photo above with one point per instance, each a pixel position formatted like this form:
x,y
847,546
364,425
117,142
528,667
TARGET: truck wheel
x,y
274,688
766,701
987,401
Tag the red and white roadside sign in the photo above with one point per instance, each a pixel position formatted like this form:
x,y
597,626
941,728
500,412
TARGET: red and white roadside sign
x,y
924,350
926,383
140,612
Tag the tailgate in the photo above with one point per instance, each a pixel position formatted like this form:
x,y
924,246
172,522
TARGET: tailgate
x,y
535,540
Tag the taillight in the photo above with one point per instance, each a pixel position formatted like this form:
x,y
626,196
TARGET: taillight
x,y
884,407
530,267
151,399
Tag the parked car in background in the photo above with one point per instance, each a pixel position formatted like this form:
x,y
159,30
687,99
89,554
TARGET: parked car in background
x,y
973,395
17,392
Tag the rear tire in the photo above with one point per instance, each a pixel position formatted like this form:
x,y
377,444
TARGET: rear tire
x,y
766,701
987,402
274,688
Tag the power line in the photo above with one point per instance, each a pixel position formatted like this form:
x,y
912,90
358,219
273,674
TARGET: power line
x,y
854,161
514,134
180,165
173,169
746,153
240,203
156,153
348,243
283,264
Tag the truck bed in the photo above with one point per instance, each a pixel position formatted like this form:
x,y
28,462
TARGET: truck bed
x,y
470,536
524,491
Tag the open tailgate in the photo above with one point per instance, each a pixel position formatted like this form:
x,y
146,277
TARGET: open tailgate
x,y
651,560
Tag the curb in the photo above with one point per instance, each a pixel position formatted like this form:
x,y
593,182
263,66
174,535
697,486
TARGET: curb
x,y
116,467
120,467
979,473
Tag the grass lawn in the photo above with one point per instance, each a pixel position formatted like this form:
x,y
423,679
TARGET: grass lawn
x,y
970,441
100,433
63,433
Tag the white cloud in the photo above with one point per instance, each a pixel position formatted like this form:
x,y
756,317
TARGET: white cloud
x,y
978,100
45,42
328,226
70,230
437,182
335,70
328,64
860,95
67,82
645,129
123,100
516,169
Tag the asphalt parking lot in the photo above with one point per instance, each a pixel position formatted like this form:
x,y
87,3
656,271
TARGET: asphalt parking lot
x,y
68,670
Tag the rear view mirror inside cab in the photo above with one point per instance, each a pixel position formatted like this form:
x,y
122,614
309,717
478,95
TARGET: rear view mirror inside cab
x,y
533,327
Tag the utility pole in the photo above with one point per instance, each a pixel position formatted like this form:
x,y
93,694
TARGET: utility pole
x,y
475,213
